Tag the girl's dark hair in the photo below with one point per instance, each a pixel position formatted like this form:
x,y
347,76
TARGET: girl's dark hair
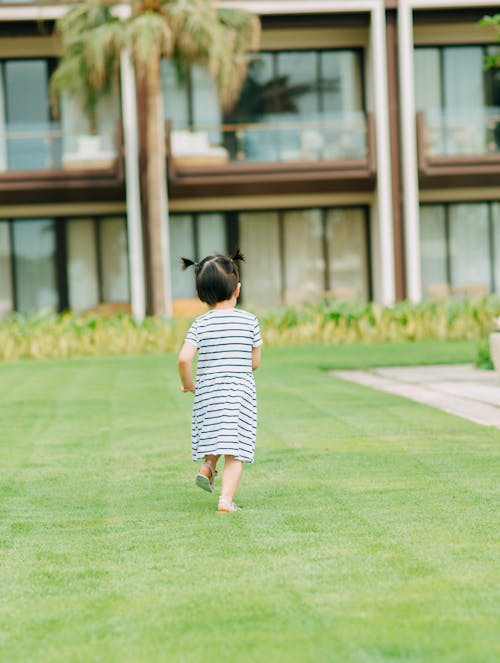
x,y
216,276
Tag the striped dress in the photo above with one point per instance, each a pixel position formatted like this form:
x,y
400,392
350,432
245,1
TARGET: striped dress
x,y
225,403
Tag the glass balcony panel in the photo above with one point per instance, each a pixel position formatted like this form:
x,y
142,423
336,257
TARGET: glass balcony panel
x,y
46,146
469,131
332,137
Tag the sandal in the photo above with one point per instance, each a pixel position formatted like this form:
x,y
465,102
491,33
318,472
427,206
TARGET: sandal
x,y
204,481
227,507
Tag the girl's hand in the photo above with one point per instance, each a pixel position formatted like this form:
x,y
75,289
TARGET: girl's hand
x,y
185,363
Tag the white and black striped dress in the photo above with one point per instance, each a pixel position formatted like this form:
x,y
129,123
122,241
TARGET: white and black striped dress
x,y
225,403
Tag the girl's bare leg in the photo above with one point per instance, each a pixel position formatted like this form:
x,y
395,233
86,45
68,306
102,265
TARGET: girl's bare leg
x,y
231,475
212,459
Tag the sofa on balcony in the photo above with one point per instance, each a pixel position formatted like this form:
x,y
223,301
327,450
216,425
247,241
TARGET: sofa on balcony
x,y
193,148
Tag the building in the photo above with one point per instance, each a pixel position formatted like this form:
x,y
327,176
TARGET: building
x,y
362,161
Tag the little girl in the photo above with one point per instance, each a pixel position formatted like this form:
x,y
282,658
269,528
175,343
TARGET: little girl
x,y
225,405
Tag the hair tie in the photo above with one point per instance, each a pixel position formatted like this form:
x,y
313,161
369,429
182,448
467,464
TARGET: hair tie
x,y
237,255
187,263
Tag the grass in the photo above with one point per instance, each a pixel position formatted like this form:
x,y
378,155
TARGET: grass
x,y
368,533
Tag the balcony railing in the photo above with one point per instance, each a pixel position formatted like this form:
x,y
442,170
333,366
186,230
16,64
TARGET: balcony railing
x,y
283,141
468,132
48,147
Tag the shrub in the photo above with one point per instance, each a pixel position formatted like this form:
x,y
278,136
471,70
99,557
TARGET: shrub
x,y
66,335
328,322
337,322
483,357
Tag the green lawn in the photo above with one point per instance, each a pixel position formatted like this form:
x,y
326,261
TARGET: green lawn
x,y
367,535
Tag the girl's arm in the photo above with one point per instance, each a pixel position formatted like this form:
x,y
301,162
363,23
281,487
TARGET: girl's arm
x,y
256,353
185,366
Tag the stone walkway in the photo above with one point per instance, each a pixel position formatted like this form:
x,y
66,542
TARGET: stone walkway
x,y
459,389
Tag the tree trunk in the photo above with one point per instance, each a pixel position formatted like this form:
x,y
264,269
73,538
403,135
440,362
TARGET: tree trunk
x,y
156,189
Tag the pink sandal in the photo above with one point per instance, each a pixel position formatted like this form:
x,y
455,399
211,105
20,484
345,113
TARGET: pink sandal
x,y
227,507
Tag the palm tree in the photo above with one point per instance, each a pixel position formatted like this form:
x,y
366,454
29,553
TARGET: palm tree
x,y
93,35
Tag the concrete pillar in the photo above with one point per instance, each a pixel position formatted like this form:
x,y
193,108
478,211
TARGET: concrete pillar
x,y
133,191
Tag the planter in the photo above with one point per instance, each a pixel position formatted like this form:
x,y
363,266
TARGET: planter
x,y
495,350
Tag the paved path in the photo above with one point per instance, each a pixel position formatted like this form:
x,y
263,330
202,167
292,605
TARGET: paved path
x,y
459,389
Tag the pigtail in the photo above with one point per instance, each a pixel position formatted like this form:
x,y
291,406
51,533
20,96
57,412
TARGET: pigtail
x,y
237,255
187,263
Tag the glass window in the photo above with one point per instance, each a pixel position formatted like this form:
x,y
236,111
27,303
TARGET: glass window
x,y
175,95
211,234
182,246
457,95
258,101
82,264
341,87
3,127
469,246
303,254
79,143
6,303
495,215
297,83
113,259
34,253
427,79
258,98
463,77
493,79
261,271
207,114
464,99
493,102
27,110
433,251
428,96
347,252
297,95
284,89
341,96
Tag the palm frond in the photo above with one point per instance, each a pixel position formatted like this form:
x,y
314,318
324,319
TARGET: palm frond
x,y
190,30
82,17
238,34
149,35
92,39
245,27
194,23
101,50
